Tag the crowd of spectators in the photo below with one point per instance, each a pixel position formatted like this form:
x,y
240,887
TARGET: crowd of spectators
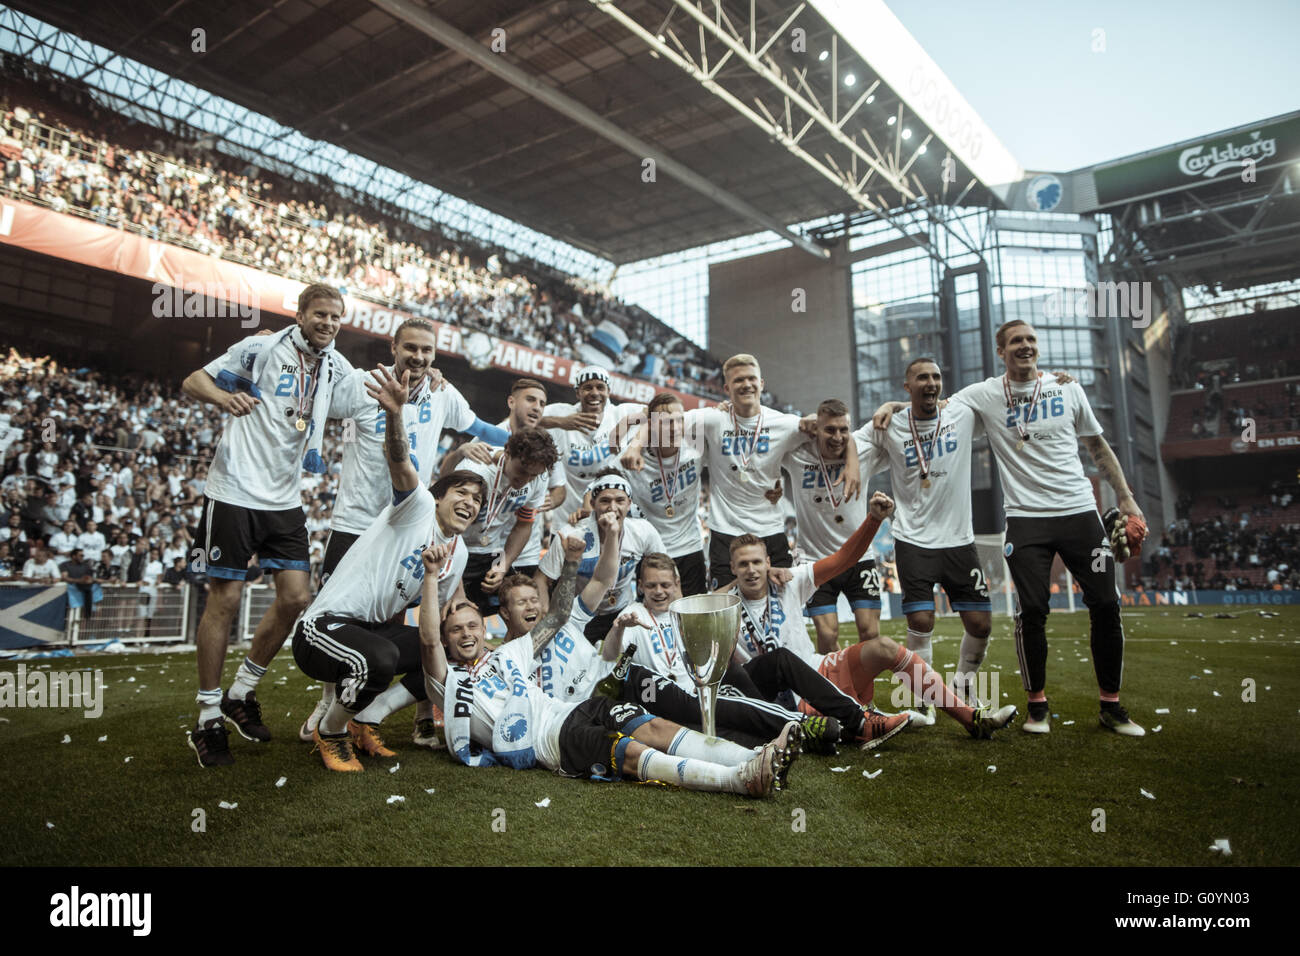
x,y
1226,545
179,189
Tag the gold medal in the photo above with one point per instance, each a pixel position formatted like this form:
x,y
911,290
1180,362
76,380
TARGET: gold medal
x,y
300,425
670,511
925,482
1020,444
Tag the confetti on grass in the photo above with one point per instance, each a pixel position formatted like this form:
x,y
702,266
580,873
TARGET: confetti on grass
x,y
282,781
872,776
395,798
545,802
224,805
840,769
1149,796
1220,846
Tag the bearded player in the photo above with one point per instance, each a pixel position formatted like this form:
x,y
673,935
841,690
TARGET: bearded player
x,y
277,390
1035,426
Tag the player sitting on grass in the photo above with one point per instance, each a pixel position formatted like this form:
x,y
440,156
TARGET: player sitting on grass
x,y
569,667
495,712
771,620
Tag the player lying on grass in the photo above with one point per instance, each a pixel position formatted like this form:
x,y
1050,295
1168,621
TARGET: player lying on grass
x,y
771,620
495,713
569,667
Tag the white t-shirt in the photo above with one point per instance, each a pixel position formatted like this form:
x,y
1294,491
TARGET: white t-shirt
x,y
820,533
1045,477
583,455
532,552
365,486
92,544
639,539
258,461
382,572
546,715
569,666
681,533
62,542
657,649
49,571
737,504
510,505
776,619
938,516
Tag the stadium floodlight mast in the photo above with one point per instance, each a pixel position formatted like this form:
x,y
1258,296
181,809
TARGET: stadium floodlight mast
x,y
449,36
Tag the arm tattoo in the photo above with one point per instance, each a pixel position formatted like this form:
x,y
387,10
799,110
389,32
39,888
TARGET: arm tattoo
x,y
1103,456
395,438
561,606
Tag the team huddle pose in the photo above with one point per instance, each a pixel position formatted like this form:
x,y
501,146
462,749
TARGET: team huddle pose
x,y
623,484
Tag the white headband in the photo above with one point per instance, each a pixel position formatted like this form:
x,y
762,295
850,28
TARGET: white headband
x,y
589,372
606,482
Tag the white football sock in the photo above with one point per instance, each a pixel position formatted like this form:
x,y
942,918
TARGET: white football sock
x,y
969,659
918,642
246,679
209,702
693,744
688,773
328,693
389,702
335,721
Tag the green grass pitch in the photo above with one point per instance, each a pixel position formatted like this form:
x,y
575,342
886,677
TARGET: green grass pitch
x,y
1219,767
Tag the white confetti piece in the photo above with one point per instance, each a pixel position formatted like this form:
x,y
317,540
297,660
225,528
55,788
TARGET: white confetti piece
x,y
49,825
872,776
840,769
992,768
127,760
1173,643
543,803
877,756
1206,670
1191,710
103,738
1220,846
1266,687
395,767
282,781
1149,796
5,720
1066,723
1162,710
130,680
1216,693
395,798
1157,728
317,687
67,739
224,805
428,789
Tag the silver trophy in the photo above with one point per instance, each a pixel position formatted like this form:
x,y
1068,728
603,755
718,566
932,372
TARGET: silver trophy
x,y
708,626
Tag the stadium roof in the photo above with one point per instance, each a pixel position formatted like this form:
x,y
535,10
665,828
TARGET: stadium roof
x,y
545,112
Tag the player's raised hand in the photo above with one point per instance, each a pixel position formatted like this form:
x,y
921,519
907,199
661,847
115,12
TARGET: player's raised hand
x,y
608,524
631,458
574,548
808,425
389,392
479,451
436,382
881,505
779,577
773,494
434,557
1063,378
492,580
239,403
578,515
632,619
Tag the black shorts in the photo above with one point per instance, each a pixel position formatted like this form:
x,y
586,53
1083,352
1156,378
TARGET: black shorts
x,y
1083,546
476,568
690,568
594,736
337,546
860,584
231,535
778,552
362,658
957,569
599,625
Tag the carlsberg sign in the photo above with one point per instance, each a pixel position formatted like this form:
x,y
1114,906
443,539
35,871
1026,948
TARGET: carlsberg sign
x,y
1211,161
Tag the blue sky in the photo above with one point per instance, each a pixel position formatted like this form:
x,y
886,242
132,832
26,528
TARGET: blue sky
x,y
1170,70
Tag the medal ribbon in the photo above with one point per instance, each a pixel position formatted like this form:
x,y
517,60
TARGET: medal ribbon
x,y
303,401
1022,426
765,643
922,459
826,475
668,642
670,484
496,503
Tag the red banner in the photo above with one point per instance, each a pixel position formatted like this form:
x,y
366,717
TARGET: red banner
x,y
1218,447
183,279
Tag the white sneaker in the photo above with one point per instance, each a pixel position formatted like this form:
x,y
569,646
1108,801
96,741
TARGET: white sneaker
x,y
759,774
308,729
1119,721
923,716
1033,726
987,721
